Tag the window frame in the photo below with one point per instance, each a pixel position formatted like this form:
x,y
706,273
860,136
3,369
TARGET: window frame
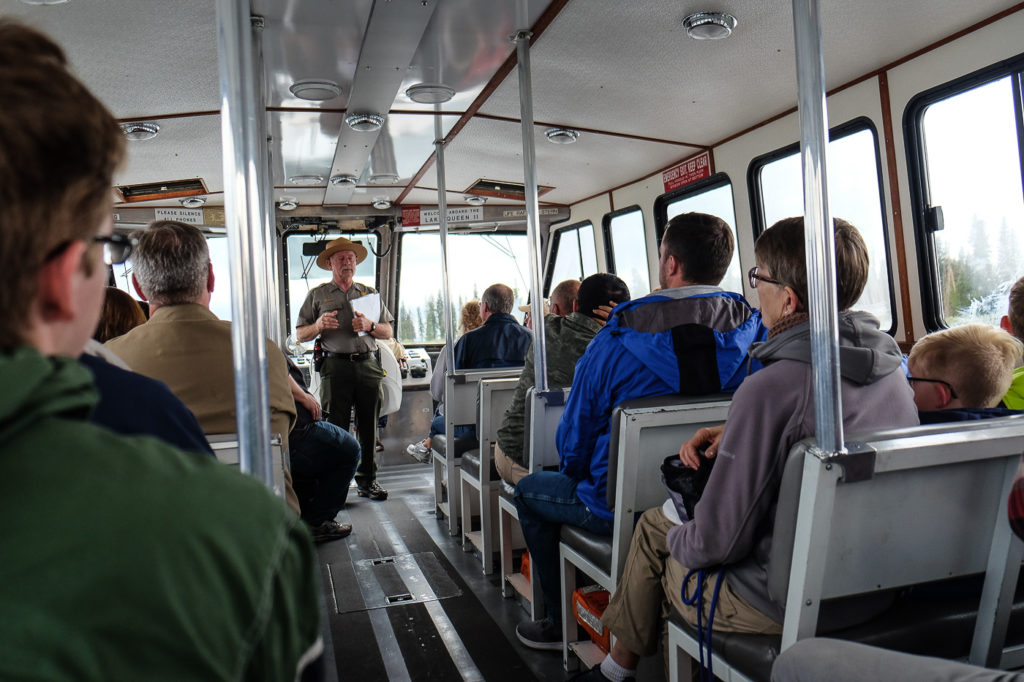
x,y
606,233
920,199
707,184
555,237
398,274
838,132
286,281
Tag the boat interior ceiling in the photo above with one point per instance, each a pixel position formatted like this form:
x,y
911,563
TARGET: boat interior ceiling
x,y
642,94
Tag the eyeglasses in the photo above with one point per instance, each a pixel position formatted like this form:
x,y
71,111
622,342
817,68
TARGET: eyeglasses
x,y
952,393
753,277
116,248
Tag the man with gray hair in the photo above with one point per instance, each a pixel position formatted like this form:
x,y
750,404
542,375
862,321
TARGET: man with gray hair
x,y
501,341
183,344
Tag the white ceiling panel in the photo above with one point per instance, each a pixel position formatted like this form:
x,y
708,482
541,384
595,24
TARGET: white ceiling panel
x,y
424,196
493,149
140,58
657,82
185,148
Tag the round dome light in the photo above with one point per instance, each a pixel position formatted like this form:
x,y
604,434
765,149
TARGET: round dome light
x,y
315,90
140,130
364,123
561,135
287,203
475,199
709,25
192,202
430,93
381,203
349,180
306,179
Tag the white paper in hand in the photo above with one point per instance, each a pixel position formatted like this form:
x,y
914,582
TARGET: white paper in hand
x,y
368,305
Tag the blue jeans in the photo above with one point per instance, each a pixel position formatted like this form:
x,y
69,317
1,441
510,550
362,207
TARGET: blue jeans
x,y
437,426
324,459
546,500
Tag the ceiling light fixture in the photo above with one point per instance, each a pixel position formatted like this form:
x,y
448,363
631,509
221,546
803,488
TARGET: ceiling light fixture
x,y
192,202
384,178
44,2
287,203
430,93
709,25
140,130
475,199
306,179
364,123
344,179
381,203
315,90
561,135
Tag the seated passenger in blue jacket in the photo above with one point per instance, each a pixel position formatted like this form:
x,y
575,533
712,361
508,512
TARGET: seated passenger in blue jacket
x,y
963,373
501,341
730,536
690,337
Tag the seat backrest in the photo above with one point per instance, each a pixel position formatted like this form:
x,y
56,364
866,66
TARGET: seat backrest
x,y
543,412
495,398
906,506
644,432
225,447
461,390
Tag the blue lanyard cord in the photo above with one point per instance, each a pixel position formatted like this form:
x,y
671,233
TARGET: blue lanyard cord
x,y
697,601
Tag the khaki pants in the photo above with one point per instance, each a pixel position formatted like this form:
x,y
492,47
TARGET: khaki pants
x,y
650,586
509,471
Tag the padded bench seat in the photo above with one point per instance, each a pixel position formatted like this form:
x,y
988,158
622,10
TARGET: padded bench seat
x,y
471,462
595,548
439,444
928,626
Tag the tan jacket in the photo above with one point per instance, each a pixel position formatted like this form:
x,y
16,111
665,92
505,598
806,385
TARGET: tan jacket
x,y
189,349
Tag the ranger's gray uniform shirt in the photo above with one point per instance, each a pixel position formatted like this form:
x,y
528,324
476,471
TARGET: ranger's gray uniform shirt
x,y
329,297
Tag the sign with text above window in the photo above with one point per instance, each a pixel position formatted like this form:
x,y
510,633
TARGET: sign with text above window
x,y
415,216
691,170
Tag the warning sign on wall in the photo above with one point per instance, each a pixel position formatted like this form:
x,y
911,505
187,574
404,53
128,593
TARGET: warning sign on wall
x,y
691,170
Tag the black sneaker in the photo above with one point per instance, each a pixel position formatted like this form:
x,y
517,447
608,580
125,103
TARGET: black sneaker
x,y
374,491
540,634
595,675
330,530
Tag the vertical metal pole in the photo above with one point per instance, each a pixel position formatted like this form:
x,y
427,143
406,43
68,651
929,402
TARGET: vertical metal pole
x,y
243,204
442,221
819,237
540,362
272,279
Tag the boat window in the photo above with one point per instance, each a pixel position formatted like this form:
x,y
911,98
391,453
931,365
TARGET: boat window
x,y
713,197
855,194
574,255
220,300
475,261
304,274
626,249
965,148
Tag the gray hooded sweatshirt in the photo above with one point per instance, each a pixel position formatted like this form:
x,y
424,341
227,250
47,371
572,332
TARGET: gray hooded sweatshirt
x,y
771,411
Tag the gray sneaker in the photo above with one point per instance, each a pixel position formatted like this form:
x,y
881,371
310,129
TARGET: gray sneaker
x,y
545,634
330,530
419,451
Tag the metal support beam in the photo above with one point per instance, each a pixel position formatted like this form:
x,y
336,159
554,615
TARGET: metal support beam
x,y
540,362
243,206
819,237
442,219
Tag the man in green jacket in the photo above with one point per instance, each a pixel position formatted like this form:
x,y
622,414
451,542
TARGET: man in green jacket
x,y
123,558
566,338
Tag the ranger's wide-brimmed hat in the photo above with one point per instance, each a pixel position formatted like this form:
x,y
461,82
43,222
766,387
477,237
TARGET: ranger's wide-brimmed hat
x,y
340,244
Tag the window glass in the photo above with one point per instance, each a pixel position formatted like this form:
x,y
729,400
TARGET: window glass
x,y
475,261
716,201
304,275
972,166
220,301
854,195
629,251
576,257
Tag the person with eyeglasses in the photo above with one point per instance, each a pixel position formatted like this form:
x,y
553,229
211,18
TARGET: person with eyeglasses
x,y
963,372
123,558
728,542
